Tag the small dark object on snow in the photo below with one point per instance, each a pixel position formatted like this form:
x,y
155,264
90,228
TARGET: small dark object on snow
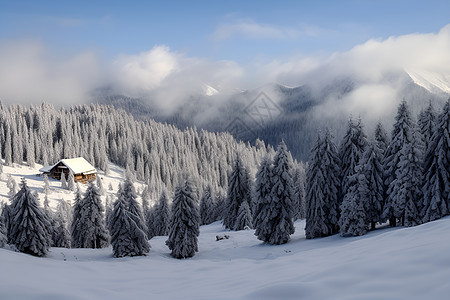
x,y
222,237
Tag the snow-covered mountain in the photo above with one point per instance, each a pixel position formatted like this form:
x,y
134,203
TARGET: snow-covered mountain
x,y
434,82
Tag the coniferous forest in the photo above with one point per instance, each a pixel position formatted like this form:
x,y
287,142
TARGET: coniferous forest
x,y
368,180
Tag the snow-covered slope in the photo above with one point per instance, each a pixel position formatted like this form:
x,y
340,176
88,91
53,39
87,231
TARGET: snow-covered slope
x,y
399,263
432,81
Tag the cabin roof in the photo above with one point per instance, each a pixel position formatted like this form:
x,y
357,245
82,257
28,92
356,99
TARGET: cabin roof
x,y
76,165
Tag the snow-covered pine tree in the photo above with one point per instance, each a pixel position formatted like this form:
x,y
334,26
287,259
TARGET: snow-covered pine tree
x,y
90,230
133,206
426,124
262,192
46,185
61,233
244,219
12,185
3,228
29,230
299,193
372,168
322,187
436,187
75,226
350,152
184,225
63,181
406,191
161,215
207,207
353,214
101,190
277,226
127,236
237,193
401,135
110,187
71,182
381,137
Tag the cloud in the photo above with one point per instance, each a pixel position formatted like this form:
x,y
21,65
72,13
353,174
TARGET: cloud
x,y
250,29
29,73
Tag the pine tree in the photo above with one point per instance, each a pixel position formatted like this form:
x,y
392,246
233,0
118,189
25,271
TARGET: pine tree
x,y
207,207
127,235
46,185
262,191
12,185
244,219
3,228
101,190
161,216
381,137
29,231
61,235
133,206
350,152
75,226
436,188
184,225
426,124
89,230
71,182
63,181
238,192
401,135
299,193
353,214
277,225
322,189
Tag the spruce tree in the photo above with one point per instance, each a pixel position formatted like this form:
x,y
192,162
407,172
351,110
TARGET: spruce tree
x,y
322,187
71,182
299,193
29,231
371,167
3,228
133,206
381,137
127,235
161,215
426,124
207,207
436,188
101,190
46,185
75,226
237,193
262,191
401,135
353,214
90,230
63,181
244,219
184,225
277,225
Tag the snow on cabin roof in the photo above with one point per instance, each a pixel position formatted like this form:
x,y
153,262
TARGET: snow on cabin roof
x,y
76,165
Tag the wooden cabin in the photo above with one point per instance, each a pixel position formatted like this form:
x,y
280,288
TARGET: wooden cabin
x,y
82,170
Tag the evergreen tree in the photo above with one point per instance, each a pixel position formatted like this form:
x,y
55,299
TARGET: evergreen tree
x,y
161,216
90,230
350,152
371,167
63,181
61,233
207,207
184,225
29,230
322,188
262,191
299,193
277,225
244,219
46,185
133,206
426,124
401,135
12,185
353,214
3,228
127,236
237,193
436,188
101,190
75,227
71,182
381,137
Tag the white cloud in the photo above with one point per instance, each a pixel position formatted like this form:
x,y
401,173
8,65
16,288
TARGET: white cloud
x,y
29,73
250,29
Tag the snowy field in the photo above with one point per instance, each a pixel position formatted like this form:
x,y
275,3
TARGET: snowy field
x,y
401,263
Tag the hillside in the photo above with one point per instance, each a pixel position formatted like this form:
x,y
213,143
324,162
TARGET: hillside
x,y
400,263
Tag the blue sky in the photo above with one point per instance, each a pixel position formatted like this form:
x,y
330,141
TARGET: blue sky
x,y
241,31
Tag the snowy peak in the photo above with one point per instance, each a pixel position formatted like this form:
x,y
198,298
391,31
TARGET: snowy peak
x,y
434,82
209,90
